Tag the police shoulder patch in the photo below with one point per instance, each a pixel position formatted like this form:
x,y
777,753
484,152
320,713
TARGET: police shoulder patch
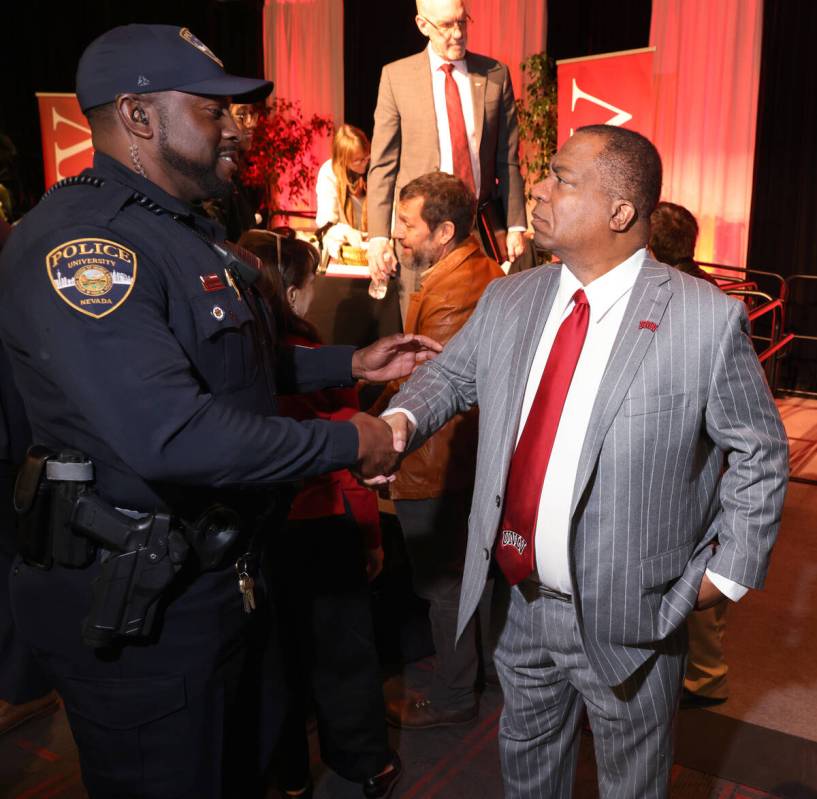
x,y
94,276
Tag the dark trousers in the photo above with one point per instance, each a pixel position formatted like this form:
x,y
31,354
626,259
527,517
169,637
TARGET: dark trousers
x,y
330,659
178,717
436,531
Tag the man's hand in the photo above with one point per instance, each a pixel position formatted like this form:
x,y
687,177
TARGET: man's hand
x,y
392,357
382,261
515,244
401,429
375,453
708,595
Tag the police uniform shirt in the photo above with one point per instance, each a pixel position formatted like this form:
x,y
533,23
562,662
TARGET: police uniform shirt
x,y
131,344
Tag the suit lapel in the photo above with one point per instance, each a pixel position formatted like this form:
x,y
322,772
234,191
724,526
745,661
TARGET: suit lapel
x,y
423,100
479,86
649,299
533,316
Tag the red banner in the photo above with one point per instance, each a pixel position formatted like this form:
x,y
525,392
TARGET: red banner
x,y
611,89
67,148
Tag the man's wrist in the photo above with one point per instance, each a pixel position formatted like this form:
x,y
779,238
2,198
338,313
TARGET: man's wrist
x,y
729,588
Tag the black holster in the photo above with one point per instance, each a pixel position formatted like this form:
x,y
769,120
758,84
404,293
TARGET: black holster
x,y
47,488
63,521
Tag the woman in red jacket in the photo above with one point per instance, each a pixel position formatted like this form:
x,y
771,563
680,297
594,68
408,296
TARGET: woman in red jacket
x,y
329,552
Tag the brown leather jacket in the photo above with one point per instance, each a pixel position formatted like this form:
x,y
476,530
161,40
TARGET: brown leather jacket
x,y
448,295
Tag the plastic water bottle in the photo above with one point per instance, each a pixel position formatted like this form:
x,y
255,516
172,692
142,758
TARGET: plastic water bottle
x,y
378,289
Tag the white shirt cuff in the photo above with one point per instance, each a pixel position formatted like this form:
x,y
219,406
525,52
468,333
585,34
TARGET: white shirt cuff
x,y
517,229
408,414
734,591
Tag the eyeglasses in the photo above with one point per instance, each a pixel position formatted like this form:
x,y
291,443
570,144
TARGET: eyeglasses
x,y
447,28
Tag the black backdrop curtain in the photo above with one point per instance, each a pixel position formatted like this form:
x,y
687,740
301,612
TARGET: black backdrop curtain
x,y
783,227
375,32
40,44
591,27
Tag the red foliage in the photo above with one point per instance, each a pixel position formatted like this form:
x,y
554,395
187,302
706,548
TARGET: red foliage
x,y
280,158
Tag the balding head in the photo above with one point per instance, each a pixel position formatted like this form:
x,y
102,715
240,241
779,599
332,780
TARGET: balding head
x,y
445,24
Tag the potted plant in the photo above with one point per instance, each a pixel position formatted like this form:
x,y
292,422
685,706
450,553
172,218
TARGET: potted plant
x,y
537,118
280,160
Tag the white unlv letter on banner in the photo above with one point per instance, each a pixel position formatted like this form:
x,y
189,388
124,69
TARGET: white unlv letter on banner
x,y
63,153
67,146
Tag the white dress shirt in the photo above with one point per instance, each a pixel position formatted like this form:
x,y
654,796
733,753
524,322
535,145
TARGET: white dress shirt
x,y
607,296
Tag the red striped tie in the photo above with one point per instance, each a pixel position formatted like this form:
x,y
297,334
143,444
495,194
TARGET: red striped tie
x,y
515,543
460,151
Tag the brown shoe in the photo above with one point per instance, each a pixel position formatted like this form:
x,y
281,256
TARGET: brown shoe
x,y
12,716
420,714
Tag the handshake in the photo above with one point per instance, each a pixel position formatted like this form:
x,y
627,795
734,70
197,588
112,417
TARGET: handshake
x,y
382,442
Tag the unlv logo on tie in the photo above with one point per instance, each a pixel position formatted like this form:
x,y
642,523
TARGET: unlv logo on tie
x,y
512,539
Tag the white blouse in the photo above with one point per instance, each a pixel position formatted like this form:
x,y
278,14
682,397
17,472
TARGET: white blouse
x,y
326,190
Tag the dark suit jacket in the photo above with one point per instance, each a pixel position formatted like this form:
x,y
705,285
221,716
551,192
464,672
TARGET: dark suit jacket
x,y
405,144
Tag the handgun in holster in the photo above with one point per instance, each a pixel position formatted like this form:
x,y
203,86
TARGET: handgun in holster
x,y
139,559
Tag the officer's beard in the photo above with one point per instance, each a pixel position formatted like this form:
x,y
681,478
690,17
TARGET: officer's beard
x,y
204,176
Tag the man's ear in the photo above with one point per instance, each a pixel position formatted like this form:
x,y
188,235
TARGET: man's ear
x,y
136,114
623,217
423,26
445,232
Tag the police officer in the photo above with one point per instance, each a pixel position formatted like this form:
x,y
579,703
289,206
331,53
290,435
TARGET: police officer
x,y
138,340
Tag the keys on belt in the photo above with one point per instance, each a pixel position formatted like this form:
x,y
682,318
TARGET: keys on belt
x,y
245,567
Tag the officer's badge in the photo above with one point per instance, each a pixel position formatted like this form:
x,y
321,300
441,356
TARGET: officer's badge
x,y
93,276
191,38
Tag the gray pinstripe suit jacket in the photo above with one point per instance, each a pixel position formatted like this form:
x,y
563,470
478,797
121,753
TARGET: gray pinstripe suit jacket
x,y
648,499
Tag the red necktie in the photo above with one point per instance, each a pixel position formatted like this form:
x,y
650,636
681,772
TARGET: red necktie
x,y
456,125
515,543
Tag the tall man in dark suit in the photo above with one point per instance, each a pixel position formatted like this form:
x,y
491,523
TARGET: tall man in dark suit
x,y
446,109
611,388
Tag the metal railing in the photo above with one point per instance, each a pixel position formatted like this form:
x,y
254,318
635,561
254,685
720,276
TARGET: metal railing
x,y
800,336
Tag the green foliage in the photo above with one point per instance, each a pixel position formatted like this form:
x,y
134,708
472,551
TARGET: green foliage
x,y
537,118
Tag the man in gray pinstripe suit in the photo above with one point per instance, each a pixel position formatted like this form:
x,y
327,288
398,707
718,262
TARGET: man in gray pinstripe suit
x,y
636,524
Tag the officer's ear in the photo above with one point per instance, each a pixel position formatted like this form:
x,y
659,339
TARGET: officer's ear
x,y
134,113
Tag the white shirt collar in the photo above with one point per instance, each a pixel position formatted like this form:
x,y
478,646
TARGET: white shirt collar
x,y
436,62
603,292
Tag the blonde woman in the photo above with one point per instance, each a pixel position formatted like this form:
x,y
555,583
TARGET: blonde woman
x,y
341,188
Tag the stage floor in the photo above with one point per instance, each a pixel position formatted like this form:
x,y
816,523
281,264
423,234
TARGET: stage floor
x,y
761,743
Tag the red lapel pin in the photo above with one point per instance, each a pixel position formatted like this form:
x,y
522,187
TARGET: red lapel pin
x,y
644,324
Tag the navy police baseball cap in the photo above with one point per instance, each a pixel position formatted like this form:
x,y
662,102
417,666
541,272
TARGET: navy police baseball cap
x,y
136,59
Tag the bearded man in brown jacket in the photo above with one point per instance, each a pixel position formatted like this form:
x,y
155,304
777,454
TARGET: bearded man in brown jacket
x,y
432,490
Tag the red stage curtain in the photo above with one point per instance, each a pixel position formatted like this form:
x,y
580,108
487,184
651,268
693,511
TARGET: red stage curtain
x,y
510,31
707,65
303,54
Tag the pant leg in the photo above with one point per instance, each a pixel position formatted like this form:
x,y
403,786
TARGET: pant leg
x,y
21,677
150,720
540,725
706,673
435,532
330,615
547,677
